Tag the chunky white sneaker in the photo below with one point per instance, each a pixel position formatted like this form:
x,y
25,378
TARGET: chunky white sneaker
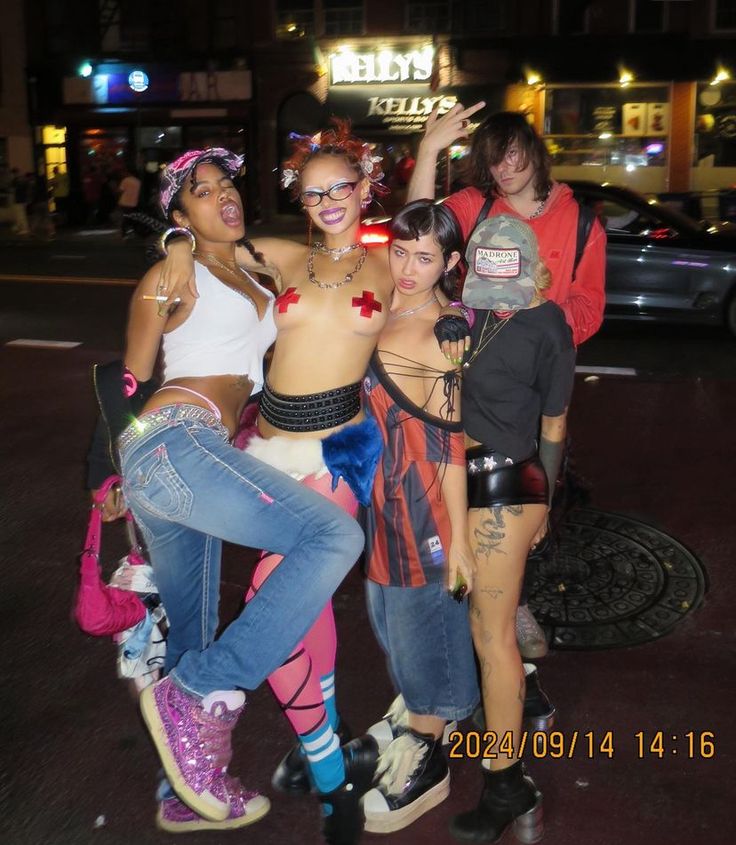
x,y
413,778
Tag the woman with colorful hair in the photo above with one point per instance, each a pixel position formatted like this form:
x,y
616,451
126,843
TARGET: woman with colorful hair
x,y
333,300
189,490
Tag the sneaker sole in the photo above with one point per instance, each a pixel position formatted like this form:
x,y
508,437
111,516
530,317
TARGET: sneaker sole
x,y
203,824
199,803
403,817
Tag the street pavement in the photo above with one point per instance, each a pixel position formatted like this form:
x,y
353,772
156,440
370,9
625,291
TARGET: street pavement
x,y
77,766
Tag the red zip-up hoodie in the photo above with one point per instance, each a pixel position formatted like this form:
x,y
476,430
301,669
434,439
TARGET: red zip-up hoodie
x,y
582,298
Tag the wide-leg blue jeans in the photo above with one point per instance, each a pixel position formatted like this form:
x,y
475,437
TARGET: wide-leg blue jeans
x,y
189,490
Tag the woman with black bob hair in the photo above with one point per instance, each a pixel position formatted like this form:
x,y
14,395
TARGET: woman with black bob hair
x,y
189,490
417,554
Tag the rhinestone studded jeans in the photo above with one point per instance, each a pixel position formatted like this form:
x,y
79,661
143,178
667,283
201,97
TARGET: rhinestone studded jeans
x,y
189,490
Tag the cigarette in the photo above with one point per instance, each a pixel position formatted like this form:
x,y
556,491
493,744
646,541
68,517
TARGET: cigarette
x,y
160,298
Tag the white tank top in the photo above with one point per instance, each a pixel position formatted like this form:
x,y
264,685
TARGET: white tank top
x,y
222,335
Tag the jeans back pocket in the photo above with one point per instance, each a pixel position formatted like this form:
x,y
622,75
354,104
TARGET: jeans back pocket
x,y
153,483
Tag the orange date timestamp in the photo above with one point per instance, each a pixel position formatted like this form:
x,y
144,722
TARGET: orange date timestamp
x,y
557,745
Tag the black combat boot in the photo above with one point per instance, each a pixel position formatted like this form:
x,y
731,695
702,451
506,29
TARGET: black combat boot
x,y
292,773
539,712
342,813
508,797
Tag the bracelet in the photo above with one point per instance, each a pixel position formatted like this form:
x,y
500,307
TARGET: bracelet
x,y
468,313
176,230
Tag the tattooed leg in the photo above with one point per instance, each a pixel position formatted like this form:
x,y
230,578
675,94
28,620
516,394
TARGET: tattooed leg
x,y
500,538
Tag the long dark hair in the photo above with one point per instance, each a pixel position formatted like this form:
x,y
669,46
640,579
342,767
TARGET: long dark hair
x,y
425,217
492,140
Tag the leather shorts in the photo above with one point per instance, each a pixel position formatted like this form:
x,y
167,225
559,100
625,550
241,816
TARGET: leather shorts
x,y
522,483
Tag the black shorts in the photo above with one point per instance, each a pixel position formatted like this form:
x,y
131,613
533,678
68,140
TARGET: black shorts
x,y
522,483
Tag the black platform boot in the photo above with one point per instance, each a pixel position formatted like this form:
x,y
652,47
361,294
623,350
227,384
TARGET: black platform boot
x,y
292,773
342,813
539,712
508,797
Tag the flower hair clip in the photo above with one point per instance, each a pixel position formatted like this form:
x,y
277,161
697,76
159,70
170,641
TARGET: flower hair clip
x,y
288,177
336,139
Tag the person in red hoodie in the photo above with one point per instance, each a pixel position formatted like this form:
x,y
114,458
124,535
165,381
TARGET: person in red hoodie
x,y
509,172
509,163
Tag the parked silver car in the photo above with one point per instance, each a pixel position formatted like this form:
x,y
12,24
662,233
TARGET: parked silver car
x,y
661,264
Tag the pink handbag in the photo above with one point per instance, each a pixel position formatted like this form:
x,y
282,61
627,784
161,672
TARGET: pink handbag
x,y
102,610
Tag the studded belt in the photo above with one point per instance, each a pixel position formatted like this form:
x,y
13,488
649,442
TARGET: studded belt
x,y
310,411
168,415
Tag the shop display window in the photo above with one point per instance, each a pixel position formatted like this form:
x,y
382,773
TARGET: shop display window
x,y
715,125
602,126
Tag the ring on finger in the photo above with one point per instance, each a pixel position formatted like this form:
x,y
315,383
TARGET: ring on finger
x,y
464,123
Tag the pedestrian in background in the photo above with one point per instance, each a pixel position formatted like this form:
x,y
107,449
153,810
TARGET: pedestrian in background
x,y
129,192
21,191
59,189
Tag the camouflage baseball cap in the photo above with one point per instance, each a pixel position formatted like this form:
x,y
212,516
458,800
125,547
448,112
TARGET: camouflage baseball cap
x,y
502,257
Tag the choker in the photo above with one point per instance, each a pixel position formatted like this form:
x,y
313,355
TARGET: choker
x,y
335,253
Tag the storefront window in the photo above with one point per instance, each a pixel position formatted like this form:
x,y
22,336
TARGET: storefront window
x,y
607,126
715,125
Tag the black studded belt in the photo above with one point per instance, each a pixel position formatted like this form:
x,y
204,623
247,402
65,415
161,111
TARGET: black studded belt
x,y
311,411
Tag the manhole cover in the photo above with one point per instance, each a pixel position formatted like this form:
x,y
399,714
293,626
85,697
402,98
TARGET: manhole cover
x,y
613,582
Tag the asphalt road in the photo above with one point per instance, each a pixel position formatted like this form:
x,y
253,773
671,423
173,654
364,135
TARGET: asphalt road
x,y
94,314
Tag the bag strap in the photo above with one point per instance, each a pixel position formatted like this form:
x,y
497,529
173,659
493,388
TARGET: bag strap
x,y
483,213
586,218
94,526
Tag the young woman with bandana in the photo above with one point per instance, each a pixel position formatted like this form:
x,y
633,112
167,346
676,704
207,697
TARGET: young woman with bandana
x,y
333,301
189,489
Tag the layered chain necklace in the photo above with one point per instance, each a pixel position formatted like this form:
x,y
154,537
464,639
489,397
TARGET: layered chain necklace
x,y
487,335
417,308
234,270
335,253
540,208
348,278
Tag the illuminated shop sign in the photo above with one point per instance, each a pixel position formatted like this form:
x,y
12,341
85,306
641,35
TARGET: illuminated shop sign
x,y
350,68
138,81
403,111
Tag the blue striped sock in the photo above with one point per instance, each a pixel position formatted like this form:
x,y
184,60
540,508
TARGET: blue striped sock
x,y
324,755
327,683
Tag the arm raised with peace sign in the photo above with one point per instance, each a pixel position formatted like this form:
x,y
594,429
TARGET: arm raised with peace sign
x,y
439,132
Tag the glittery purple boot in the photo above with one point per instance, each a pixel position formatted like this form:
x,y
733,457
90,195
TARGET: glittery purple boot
x,y
246,807
192,738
